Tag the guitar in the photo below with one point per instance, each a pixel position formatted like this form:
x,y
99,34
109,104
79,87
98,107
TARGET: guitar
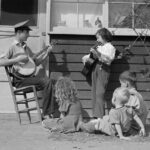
x,y
22,70
89,64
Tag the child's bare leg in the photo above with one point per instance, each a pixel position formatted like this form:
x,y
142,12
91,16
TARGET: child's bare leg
x,y
87,127
97,124
90,126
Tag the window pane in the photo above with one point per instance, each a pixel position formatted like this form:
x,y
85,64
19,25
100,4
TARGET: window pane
x,y
120,0
14,11
120,15
64,14
136,1
142,16
85,1
68,1
92,1
88,14
141,1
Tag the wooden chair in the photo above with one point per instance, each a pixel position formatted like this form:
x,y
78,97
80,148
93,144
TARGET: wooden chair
x,y
23,93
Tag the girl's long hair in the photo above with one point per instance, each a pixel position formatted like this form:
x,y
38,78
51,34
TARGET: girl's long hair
x,y
65,90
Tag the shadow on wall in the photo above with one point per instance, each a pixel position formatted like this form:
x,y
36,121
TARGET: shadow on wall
x,y
58,65
113,82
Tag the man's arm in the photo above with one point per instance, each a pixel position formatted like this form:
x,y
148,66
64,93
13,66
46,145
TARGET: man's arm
x,y
38,60
8,62
119,131
41,56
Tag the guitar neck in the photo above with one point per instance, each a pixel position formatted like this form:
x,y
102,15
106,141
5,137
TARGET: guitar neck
x,y
39,53
45,49
95,54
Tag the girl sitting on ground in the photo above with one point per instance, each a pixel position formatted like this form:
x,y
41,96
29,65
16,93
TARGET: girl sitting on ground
x,y
69,106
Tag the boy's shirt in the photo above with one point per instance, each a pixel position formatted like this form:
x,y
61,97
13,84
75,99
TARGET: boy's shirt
x,y
122,116
136,101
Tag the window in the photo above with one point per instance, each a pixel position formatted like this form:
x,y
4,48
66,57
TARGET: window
x,y
75,13
88,14
64,14
119,15
143,13
14,11
85,16
129,14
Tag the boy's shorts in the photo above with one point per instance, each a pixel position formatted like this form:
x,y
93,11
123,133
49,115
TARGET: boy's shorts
x,y
105,126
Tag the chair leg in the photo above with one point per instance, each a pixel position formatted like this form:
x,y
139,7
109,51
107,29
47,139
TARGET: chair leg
x,y
16,108
37,104
18,116
17,112
27,106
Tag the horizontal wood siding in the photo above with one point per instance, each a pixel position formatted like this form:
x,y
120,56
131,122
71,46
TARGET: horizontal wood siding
x,y
65,60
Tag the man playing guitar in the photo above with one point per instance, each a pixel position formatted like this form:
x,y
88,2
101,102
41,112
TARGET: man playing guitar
x,y
23,63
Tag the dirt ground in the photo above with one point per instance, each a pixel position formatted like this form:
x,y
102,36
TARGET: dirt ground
x,y
34,137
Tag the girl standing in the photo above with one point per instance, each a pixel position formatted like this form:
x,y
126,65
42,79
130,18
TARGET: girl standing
x,y
105,54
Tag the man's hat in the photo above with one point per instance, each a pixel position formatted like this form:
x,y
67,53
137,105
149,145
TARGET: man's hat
x,y
22,26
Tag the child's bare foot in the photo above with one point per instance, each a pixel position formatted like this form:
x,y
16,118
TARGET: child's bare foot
x,y
79,126
125,138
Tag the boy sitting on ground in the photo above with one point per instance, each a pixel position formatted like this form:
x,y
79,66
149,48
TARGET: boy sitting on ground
x,y
128,80
119,120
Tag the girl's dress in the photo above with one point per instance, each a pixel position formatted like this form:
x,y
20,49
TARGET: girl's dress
x,y
69,123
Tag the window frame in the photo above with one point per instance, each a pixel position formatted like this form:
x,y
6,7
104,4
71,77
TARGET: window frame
x,y
92,31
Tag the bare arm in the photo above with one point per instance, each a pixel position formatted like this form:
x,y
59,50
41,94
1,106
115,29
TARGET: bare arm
x,y
8,62
42,55
85,58
39,60
119,131
139,122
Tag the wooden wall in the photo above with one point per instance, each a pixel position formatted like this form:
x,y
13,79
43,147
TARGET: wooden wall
x,y
66,60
